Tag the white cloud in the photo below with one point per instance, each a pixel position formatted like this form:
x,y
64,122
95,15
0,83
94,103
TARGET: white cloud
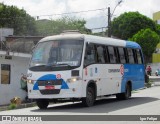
x,y
145,7
38,7
50,7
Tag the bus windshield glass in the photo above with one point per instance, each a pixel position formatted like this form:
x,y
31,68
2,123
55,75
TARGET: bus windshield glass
x,y
57,53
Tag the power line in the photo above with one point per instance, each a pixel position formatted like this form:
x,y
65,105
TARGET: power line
x,y
99,28
68,13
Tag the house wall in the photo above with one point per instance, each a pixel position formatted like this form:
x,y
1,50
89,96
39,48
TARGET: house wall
x,y
5,32
156,17
18,66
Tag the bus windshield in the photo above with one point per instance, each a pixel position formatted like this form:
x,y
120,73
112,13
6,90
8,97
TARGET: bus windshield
x,y
57,53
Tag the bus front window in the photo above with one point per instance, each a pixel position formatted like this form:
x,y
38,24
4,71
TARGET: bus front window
x,y
57,53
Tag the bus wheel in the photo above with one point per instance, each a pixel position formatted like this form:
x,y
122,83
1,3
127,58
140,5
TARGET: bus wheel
x,y
126,95
90,98
42,103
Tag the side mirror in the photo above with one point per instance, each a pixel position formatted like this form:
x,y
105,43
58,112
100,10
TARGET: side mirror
x,y
32,49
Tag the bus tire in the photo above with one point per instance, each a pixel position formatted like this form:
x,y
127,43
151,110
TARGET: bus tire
x,y
90,97
42,103
126,95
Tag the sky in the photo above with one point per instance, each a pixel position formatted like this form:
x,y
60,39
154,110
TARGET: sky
x,y
95,19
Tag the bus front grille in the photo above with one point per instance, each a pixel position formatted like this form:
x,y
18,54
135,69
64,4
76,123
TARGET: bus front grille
x,y
47,92
49,83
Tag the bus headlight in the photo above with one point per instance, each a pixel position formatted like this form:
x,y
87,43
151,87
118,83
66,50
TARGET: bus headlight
x,y
30,81
73,79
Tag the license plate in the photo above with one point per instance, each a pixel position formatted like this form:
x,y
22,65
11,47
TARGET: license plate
x,y
49,87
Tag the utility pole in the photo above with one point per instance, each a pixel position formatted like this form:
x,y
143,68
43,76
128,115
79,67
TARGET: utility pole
x,y
109,22
110,16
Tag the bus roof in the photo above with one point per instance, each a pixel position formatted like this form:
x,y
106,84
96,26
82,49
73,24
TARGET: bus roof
x,y
92,39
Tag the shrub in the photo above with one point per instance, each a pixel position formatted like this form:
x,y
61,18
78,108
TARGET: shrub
x,y
12,106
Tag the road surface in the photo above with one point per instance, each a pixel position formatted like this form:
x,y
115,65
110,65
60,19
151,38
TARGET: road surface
x,y
143,102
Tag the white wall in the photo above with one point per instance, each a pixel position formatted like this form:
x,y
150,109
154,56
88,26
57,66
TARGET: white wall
x,y
5,32
19,65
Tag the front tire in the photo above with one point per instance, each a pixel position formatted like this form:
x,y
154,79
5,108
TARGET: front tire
x,y
42,103
126,95
90,97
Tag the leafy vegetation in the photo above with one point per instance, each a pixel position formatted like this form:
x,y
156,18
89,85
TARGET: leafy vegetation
x,y
129,23
24,24
148,40
51,27
18,19
12,106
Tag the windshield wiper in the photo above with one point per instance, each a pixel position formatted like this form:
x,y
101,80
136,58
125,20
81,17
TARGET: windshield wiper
x,y
39,65
65,65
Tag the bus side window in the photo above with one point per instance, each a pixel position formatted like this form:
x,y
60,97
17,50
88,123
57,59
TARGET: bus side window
x,y
90,56
112,56
100,53
135,56
122,55
130,56
116,54
106,55
139,57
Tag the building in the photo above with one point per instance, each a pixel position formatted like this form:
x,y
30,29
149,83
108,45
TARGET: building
x,y
15,53
4,32
12,67
156,54
156,17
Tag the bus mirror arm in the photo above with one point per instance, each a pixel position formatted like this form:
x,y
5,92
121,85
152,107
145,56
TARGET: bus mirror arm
x,y
33,48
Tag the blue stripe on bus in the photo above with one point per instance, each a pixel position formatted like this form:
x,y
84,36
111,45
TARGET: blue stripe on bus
x,y
64,85
132,44
50,77
35,87
135,74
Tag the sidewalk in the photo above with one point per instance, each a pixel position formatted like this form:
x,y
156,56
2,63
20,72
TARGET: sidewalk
x,y
155,80
23,105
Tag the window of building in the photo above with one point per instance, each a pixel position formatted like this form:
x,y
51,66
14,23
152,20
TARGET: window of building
x,y
5,74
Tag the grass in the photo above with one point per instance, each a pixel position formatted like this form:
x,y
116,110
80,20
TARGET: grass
x,y
149,84
135,91
12,106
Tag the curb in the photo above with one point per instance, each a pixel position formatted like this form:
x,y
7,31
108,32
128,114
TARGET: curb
x,y
24,105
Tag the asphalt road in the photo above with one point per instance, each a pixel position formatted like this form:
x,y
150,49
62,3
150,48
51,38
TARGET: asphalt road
x,y
143,102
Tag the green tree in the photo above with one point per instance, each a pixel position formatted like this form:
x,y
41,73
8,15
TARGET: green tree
x,y
18,19
148,40
51,27
158,29
129,23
